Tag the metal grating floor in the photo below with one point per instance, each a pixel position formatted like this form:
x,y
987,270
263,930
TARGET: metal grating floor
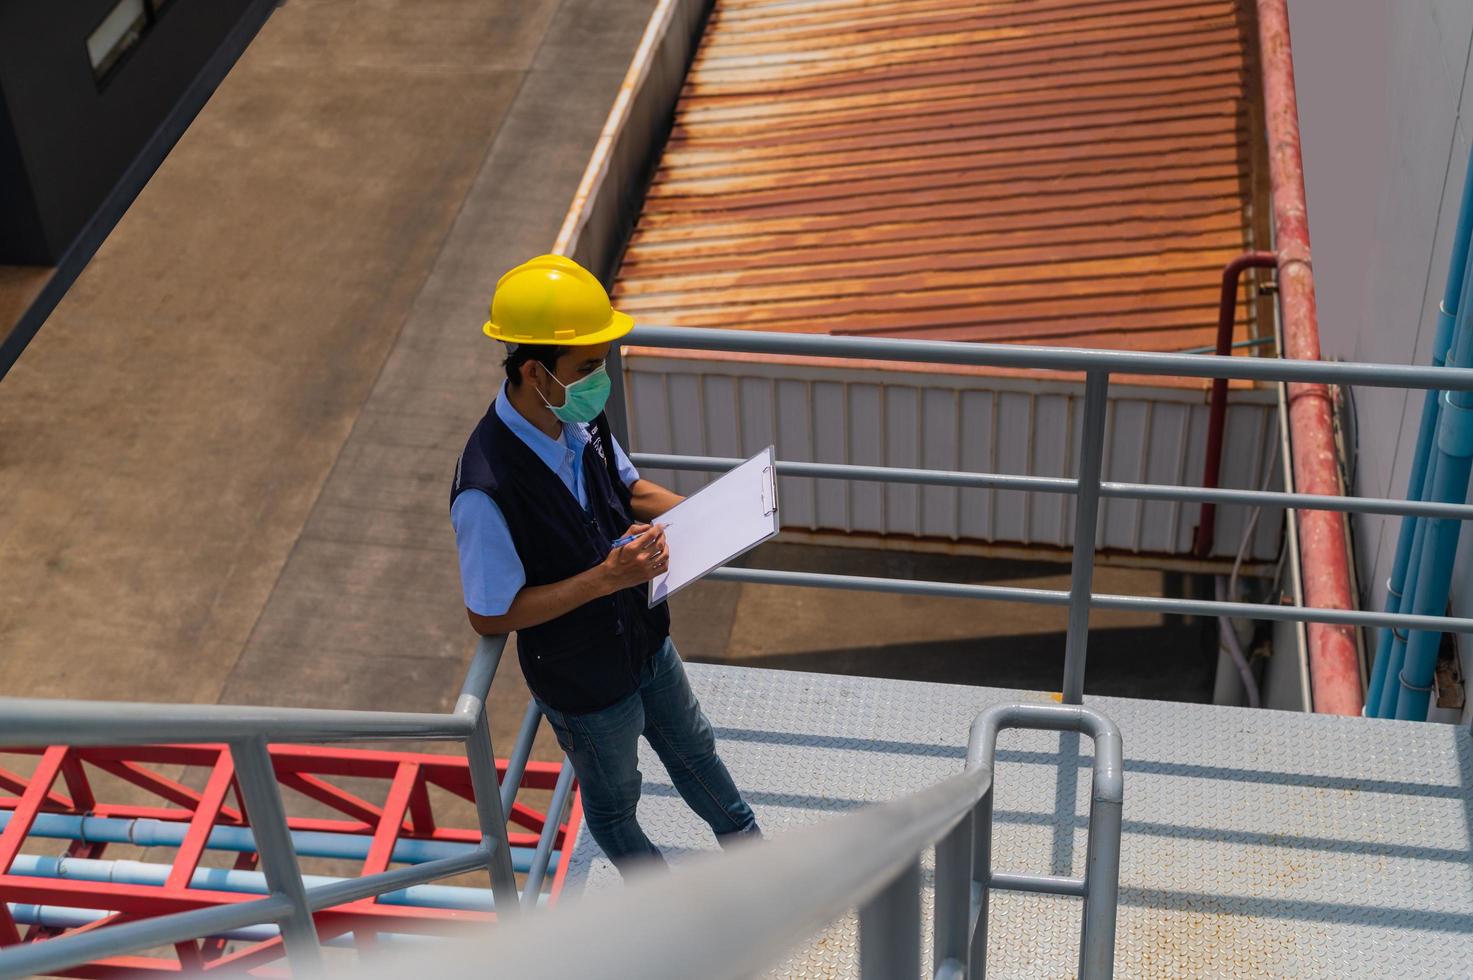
x,y
1257,844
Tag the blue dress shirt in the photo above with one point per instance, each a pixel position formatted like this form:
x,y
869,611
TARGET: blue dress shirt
x,y
491,574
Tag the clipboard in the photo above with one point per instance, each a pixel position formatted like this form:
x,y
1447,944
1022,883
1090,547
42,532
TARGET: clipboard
x,y
724,520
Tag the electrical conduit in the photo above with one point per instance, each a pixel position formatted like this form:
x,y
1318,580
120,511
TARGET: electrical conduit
x,y
62,917
240,882
1449,470
1391,645
143,832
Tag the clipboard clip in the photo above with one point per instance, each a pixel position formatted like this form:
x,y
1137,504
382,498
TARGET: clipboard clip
x,y
769,491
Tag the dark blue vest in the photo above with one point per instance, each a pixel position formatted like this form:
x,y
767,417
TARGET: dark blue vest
x,y
591,657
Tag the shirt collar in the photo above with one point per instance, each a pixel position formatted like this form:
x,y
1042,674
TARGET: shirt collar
x,y
556,453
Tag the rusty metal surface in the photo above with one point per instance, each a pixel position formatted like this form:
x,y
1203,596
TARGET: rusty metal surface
x,y
1336,668
1043,171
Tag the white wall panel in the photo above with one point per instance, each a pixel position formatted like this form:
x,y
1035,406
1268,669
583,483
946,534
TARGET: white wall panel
x,y
903,442
865,431
940,447
1384,177
977,422
793,437
1014,434
828,422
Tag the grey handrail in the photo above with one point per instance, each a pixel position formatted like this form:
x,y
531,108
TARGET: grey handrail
x,y
736,914
26,722
1088,485
1073,360
48,721
1168,493
1094,600
1100,885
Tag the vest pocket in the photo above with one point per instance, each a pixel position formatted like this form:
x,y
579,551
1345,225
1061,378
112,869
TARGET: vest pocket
x,y
579,665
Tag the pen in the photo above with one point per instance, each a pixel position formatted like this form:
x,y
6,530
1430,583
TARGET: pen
x,y
621,542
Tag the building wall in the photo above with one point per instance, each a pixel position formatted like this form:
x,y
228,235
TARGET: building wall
x,y
1384,101
72,137
1011,426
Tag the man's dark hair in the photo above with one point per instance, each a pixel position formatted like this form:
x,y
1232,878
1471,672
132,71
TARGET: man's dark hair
x,y
545,354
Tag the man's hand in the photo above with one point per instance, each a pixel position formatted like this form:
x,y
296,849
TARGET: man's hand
x,y
638,561
627,566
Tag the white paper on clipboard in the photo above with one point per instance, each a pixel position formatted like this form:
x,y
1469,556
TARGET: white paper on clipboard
x,y
723,520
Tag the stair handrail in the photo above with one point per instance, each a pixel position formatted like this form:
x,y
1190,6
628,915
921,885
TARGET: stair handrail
x,y
27,722
736,914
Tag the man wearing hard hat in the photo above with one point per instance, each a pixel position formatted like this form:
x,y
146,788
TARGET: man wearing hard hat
x,y
541,496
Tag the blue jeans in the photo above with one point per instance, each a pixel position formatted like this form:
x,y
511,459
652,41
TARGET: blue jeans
x,y
604,748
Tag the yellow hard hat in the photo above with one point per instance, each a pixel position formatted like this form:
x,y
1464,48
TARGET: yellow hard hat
x,y
554,300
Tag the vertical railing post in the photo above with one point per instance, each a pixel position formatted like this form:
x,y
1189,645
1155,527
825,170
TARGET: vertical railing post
x,y
521,751
267,815
952,911
1102,891
482,762
1086,529
617,409
1102,854
981,876
890,928
537,873
1101,883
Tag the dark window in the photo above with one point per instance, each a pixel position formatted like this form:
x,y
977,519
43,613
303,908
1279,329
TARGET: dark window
x,y
120,32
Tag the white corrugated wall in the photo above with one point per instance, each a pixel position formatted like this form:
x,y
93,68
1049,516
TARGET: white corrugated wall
x,y
977,424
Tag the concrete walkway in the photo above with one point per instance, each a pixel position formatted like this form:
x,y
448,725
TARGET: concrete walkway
x,y
226,457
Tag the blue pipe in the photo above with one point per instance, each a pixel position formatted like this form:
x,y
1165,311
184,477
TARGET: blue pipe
x,y
61,917
1440,549
308,843
1398,587
239,882
1391,685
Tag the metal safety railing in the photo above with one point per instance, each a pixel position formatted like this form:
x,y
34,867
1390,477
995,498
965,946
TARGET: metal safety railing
x,y
27,722
867,859
740,914
1087,487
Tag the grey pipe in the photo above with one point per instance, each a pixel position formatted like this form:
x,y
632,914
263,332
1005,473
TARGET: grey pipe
x,y
1057,484
1073,360
1228,634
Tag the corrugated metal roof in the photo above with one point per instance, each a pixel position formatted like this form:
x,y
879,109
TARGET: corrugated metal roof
x,y
1042,171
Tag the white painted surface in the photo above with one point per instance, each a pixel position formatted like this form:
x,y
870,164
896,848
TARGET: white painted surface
x,y
729,517
948,422
1384,98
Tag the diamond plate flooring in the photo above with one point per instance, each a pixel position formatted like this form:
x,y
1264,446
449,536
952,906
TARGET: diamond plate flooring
x,y
1256,844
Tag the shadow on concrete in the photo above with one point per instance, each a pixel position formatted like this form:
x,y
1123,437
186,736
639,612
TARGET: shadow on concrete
x,y
911,565
1166,662
1173,658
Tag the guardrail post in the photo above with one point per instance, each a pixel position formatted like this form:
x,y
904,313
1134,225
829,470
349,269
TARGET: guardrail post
x,y
890,928
1101,881
1086,528
617,409
521,751
981,876
482,762
537,873
952,912
262,798
1100,886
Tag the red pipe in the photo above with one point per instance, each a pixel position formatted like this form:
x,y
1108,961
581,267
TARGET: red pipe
x,y
1227,308
1334,665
